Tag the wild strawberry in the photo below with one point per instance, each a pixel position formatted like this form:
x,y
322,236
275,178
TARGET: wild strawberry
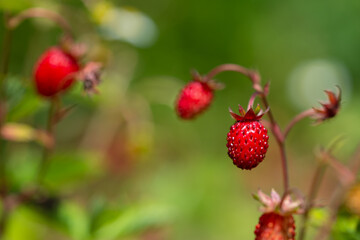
x,y
54,72
273,226
194,98
277,222
247,140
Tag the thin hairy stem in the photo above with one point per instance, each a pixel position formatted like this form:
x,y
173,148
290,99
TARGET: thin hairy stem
x,y
337,199
5,57
297,118
41,13
251,100
226,68
314,189
47,151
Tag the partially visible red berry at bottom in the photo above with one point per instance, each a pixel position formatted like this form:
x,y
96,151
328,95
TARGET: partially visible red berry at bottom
x,y
273,226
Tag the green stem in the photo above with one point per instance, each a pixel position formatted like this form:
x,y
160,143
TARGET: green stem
x,y
256,81
4,66
44,164
314,189
5,56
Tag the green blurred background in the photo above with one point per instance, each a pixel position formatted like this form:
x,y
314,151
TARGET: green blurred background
x,y
126,151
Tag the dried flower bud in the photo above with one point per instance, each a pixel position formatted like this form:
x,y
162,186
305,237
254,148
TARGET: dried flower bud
x,y
90,75
329,109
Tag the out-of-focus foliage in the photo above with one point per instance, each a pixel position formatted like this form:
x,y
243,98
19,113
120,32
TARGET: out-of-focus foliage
x,y
125,166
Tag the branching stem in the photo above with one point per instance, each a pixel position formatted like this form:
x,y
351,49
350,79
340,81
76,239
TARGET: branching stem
x,y
256,83
41,13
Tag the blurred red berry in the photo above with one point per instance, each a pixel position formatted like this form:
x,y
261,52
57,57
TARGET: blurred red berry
x,y
247,140
54,72
273,226
193,99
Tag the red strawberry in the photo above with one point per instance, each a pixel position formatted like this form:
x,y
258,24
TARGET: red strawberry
x,y
247,140
277,222
194,98
273,226
54,72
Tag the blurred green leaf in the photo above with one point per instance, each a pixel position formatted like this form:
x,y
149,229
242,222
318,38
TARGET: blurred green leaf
x,y
318,216
24,223
74,219
133,220
22,167
16,5
22,99
68,169
346,227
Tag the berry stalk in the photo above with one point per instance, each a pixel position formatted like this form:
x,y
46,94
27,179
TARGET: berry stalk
x,y
50,126
256,84
41,13
314,189
297,118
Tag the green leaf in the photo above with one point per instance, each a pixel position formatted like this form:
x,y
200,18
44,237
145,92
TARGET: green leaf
x,y
318,216
74,220
16,5
66,170
22,166
21,98
24,223
134,220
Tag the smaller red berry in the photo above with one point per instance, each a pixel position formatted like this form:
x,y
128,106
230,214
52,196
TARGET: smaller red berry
x,y
194,98
55,72
247,140
277,221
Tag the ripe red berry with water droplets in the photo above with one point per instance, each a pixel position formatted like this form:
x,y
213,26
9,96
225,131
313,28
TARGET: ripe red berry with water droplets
x,y
273,226
194,98
55,72
247,140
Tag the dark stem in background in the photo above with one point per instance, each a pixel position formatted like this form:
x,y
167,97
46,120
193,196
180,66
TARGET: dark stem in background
x,y
256,81
314,189
47,151
5,57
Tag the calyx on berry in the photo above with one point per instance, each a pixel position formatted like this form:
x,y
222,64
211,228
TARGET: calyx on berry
x,y
274,203
249,115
